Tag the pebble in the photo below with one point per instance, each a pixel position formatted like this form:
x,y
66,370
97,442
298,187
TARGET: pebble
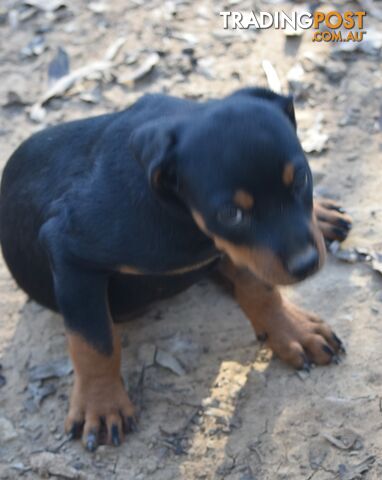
x,y
7,431
335,70
47,463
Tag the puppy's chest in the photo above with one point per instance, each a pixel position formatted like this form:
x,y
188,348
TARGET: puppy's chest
x,y
140,240
157,252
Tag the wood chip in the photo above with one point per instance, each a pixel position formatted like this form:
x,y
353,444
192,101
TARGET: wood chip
x,y
47,463
166,360
45,5
145,68
272,77
59,66
55,369
346,439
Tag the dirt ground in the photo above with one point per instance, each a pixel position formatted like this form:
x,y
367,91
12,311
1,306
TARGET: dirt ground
x,y
232,411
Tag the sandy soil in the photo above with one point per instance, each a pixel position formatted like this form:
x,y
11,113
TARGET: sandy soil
x,y
234,413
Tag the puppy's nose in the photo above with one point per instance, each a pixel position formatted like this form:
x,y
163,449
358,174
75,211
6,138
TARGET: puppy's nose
x,y
302,264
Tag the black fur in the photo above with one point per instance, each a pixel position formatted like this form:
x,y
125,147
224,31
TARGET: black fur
x,y
82,199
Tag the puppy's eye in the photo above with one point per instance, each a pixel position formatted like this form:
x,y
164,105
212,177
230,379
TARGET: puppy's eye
x,y
230,216
300,181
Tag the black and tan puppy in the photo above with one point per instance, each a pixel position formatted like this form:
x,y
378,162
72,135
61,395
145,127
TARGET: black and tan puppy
x,y
102,216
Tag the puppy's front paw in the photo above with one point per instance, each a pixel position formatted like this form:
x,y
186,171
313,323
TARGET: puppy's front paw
x,y
300,338
332,219
100,411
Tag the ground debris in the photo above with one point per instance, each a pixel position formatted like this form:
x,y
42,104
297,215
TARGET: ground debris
x,y
98,7
317,454
114,49
177,441
93,96
184,348
174,441
345,439
146,354
37,392
358,255
315,140
59,66
66,82
345,255
3,380
370,6
166,360
54,369
46,5
297,82
144,69
7,430
47,463
355,472
371,44
226,467
335,70
35,47
273,79
14,100
94,70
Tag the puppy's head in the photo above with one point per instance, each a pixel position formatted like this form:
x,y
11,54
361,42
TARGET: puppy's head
x,y
238,166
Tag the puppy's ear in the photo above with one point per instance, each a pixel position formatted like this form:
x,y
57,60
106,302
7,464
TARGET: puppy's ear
x,y
284,102
153,146
287,106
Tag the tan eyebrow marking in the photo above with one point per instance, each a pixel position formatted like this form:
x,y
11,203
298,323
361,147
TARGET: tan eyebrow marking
x,y
243,199
288,174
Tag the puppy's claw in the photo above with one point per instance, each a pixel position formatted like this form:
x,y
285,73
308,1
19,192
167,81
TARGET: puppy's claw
x,y
262,337
306,364
341,347
91,442
328,350
336,359
115,438
131,424
75,431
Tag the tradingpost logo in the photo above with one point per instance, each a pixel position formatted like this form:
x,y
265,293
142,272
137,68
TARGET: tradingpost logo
x,y
330,26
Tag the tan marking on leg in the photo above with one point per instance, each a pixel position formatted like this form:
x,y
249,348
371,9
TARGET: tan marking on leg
x,y
243,199
291,333
98,391
288,174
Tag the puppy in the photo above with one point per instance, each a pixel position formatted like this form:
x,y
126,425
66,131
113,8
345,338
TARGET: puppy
x,y
102,216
